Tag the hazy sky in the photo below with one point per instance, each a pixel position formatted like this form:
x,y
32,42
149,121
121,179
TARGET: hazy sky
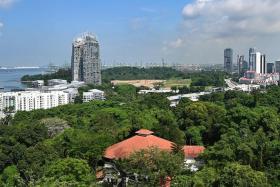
x,y
37,32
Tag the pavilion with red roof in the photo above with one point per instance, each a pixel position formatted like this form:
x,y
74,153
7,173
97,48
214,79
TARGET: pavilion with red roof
x,y
144,139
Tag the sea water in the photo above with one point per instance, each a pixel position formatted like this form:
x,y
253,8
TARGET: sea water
x,y
10,78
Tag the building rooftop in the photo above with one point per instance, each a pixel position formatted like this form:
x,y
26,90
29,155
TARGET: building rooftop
x,y
193,151
144,139
96,91
80,40
144,132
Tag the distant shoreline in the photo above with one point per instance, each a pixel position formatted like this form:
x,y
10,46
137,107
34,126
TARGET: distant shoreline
x,y
10,77
32,67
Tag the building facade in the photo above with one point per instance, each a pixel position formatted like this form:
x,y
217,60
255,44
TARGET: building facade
x,y
258,63
251,52
85,62
38,84
243,65
270,68
277,66
228,60
93,94
32,100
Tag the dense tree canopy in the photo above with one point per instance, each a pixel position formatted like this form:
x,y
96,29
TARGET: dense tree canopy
x,y
241,133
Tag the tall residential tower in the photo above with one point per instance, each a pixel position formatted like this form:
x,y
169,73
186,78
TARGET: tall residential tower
x,y
85,62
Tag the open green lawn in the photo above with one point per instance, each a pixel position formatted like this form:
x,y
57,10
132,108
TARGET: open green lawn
x,y
177,82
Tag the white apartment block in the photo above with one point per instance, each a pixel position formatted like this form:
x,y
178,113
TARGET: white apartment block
x,y
32,100
93,94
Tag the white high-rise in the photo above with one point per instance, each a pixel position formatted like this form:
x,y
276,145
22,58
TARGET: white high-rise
x,y
258,63
86,65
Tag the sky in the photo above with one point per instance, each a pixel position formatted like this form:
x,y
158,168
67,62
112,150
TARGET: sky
x,y
39,32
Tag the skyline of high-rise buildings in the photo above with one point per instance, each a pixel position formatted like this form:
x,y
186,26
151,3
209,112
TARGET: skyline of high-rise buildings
x,y
257,62
85,60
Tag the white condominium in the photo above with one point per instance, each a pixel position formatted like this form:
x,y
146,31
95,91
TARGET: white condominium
x,y
93,94
86,60
31,100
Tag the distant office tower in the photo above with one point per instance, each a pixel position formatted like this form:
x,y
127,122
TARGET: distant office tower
x,y
228,60
242,65
251,52
277,66
258,63
86,65
270,68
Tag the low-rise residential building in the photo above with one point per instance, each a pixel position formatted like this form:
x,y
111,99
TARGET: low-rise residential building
x,y
245,87
252,77
41,97
93,94
38,84
72,93
31,100
192,96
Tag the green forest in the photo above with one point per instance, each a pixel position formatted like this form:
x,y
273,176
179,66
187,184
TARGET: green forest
x,y
204,78
63,146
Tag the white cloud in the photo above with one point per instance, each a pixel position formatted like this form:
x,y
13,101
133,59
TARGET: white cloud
x,y
1,26
209,26
6,3
227,18
177,43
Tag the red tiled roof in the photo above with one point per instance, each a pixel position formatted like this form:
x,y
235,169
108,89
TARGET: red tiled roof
x,y
193,151
136,143
145,140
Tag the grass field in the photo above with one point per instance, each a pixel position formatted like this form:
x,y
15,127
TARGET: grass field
x,y
177,82
138,83
150,83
